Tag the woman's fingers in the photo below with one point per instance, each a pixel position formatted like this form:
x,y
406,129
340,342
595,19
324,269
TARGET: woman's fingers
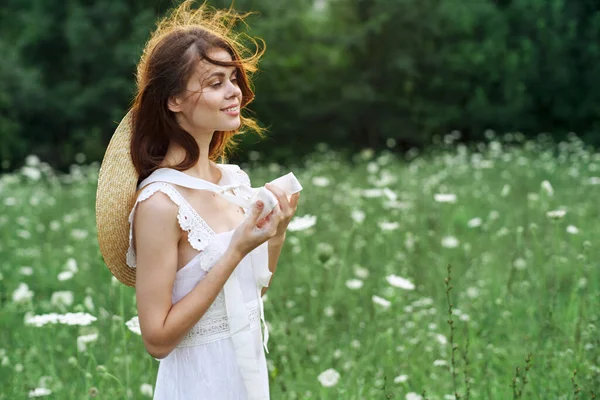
x,y
294,200
281,196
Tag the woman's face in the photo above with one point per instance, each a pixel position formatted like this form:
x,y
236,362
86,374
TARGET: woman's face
x,y
212,98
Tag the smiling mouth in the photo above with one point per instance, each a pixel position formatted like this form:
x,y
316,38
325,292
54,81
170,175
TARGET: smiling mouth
x,y
236,108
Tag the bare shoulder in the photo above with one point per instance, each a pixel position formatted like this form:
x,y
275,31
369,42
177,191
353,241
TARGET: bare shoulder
x,y
156,236
157,207
155,223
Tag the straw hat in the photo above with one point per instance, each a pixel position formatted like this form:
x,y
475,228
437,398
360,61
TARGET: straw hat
x,y
115,197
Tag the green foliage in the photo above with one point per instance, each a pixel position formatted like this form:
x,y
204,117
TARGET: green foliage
x,y
347,72
525,282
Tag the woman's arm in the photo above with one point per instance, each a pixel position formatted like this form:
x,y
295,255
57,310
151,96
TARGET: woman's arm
x,y
157,234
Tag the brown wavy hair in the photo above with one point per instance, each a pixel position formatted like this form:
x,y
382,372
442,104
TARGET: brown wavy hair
x,y
182,39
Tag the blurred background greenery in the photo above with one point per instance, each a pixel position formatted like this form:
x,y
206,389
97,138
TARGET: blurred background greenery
x,y
351,73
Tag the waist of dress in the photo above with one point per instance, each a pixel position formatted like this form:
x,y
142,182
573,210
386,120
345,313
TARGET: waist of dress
x,y
214,326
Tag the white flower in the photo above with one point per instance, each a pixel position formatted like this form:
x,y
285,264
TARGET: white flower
x,y
72,265
146,389
450,242
413,396
519,264
388,226
354,283
381,301
23,234
27,271
79,318
371,193
65,276
533,197
302,223
572,229
548,188
22,293
505,190
329,377
39,392
441,339
440,363
391,195
472,292
474,223
445,198
361,272
32,160
32,173
82,341
594,180
329,311
134,325
400,282
424,302
372,167
401,378
358,216
89,303
556,214
41,320
79,234
320,181
62,297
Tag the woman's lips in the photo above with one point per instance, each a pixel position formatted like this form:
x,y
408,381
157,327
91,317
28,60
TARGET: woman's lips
x,y
232,111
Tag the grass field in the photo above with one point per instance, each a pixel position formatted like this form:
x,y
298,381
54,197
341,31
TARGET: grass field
x,y
358,307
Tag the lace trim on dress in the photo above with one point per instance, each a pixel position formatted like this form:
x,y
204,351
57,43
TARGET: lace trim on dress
x,y
199,233
210,255
213,327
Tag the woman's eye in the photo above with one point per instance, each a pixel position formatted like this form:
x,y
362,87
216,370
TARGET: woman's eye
x,y
216,84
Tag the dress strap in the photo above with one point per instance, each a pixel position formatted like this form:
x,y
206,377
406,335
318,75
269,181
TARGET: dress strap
x,y
199,233
182,179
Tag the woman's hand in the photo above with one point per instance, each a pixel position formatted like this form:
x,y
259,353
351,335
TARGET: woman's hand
x,y
286,207
250,234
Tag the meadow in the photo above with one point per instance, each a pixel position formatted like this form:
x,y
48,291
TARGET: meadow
x,y
462,272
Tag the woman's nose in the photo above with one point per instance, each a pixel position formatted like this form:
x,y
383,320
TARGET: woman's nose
x,y
235,90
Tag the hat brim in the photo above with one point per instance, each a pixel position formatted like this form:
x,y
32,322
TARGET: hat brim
x,y
115,197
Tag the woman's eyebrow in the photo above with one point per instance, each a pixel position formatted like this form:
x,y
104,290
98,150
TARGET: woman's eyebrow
x,y
219,73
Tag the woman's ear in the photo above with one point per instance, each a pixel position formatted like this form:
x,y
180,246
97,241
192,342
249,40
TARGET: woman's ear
x,y
174,104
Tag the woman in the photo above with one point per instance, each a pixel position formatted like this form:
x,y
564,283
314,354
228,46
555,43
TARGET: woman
x,y
197,253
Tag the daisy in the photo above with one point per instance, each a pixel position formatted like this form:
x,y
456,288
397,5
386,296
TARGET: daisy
x,y
450,242
572,229
381,301
329,377
556,214
445,198
400,282
354,284
302,223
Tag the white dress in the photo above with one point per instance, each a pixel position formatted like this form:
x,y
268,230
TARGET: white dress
x,y
205,365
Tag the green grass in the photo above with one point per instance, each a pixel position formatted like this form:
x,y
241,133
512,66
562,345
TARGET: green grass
x,y
521,284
